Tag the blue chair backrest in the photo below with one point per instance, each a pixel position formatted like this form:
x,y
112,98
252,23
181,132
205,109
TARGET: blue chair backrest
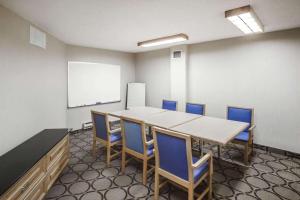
x,y
172,155
169,105
133,136
194,108
100,125
240,114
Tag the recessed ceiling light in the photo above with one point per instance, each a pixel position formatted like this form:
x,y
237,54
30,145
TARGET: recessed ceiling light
x,y
245,19
164,40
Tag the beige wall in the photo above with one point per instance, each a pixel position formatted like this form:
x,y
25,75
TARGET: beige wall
x,y
262,72
33,88
259,71
153,68
34,82
76,116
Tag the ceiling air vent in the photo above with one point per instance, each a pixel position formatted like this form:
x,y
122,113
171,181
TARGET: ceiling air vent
x,y
176,54
37,37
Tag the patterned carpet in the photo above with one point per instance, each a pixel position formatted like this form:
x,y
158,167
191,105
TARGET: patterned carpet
x,y
269,176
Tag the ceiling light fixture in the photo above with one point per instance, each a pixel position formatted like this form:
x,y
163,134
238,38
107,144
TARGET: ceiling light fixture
x,y
245,19
164,40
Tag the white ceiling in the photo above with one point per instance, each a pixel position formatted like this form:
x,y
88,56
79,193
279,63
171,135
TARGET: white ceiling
x,y
120,24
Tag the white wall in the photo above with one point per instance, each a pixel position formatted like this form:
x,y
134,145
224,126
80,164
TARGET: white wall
x,y
153,68
260,71
76,116
33,87
178,76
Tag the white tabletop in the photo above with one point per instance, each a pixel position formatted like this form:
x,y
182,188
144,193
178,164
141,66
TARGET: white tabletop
x,y
113,119
156,116
212,129
146,109
140,113
169,119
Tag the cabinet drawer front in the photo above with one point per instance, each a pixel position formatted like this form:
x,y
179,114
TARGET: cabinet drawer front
x,y
57,168
38,192
57,152
27,182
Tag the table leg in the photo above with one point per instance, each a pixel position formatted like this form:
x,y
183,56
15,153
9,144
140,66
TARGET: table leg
x,y
219,151
202,145
150,130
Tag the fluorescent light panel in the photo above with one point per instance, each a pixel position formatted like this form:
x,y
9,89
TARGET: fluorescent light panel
x,y
164,40
245,19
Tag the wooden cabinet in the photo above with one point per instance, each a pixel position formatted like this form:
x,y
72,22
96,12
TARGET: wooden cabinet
x,y
55,171
57,153
38,192
39,179
57,159
24,186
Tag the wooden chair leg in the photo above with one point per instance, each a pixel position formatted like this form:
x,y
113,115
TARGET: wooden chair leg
x,y
156,185
94,147
108,155
123,162
145,161
191,193
209,181
250,154
252,147
246,154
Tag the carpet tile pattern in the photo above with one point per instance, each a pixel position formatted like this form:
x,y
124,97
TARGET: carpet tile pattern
x,y
269,176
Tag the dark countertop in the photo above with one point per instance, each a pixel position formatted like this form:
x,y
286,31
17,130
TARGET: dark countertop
x,y
15,163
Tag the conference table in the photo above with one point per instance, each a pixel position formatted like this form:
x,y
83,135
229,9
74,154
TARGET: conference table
x,y
209,129
140,113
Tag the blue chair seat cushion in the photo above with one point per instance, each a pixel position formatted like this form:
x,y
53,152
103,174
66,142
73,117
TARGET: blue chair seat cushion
x,y
198,172
150,151
243,136
148,137
150,147
114,137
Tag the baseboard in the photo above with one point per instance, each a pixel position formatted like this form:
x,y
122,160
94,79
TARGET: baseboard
x,y
276,150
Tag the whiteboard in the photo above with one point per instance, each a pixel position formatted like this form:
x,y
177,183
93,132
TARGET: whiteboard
x,y
92,83
136,94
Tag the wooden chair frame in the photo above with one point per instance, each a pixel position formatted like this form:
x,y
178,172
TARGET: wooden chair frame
x,y
109,145
144,157
247,144
189,185
171,100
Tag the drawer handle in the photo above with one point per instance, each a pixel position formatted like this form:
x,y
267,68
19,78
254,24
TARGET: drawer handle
x,y
58,168
24,188
54,154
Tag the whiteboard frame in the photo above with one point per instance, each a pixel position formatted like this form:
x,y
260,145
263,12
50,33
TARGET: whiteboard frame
x,y
87,105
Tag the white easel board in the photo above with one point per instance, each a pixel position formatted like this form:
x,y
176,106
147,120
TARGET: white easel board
x,y
136,95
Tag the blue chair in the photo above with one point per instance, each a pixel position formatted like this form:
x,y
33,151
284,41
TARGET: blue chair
x,y
198,109
169,105
103,134
195,108
245,137
174,161
137,144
